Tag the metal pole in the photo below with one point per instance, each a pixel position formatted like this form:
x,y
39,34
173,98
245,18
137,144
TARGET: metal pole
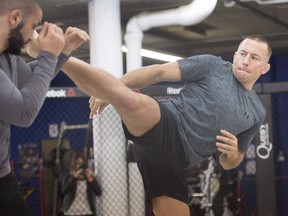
x,y
57,163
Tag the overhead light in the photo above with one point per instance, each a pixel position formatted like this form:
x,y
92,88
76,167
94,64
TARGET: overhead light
x,y
155,55
229,3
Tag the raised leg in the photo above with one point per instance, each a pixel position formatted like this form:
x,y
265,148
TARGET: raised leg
x,y
139,112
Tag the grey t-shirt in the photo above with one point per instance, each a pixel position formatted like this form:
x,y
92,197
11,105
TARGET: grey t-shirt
x,y
22,92
211,100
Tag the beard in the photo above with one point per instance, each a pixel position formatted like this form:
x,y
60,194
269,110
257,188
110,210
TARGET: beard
x,y
15,41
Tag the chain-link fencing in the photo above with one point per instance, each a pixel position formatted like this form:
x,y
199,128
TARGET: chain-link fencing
x,y
33,149
280,140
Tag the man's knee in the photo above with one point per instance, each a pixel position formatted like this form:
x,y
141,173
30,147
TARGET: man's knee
x,y
128,101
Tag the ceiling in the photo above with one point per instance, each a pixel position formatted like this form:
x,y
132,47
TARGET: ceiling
x,y
219,34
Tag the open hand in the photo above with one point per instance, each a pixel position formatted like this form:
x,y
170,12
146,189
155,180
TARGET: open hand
x,y
228,144
96,106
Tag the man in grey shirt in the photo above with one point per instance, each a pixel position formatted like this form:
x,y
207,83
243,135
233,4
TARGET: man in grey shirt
x,y
217,113
24,86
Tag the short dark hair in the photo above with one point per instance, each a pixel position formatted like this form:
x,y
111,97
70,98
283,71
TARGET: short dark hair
x,y
27,7
262,40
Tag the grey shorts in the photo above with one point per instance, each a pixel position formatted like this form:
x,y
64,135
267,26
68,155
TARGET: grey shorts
x,y
161,159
